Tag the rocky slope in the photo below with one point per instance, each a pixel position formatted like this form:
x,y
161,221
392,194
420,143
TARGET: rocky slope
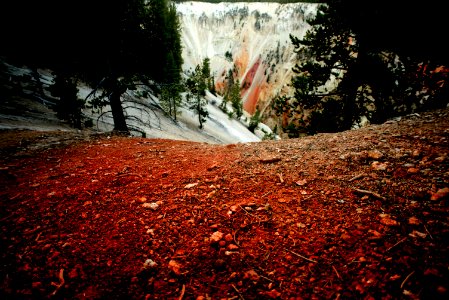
x,y
361,214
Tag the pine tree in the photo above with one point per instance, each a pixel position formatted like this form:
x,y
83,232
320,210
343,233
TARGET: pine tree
x,y
172,63
235,99
69,107
348,68
206,74
111,46
197,84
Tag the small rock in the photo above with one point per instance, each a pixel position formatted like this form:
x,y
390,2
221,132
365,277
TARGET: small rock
x,y
219,264
268,160
418,234
273,294
191,185
440,194
233,247
252,275
149,263
440,159
174,266
395,277
234,208
73,273
412,170
214,166
152,205
216,237
379,166
345,237
375,154
387,220
416,153
228,238
301,182
413,221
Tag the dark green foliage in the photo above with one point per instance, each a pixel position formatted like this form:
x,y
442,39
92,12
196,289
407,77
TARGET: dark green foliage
x,y
349,68
233,96
278,1
209,80
110,45
196,86
228,56
254,121
69,107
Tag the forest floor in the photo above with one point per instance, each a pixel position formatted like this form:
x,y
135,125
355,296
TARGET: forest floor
x,y
361,214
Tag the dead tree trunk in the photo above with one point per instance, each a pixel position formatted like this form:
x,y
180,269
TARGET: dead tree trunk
x,y
116,107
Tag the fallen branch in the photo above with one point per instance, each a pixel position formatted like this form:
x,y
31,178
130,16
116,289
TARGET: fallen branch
x,y
238,292
370,193
336,272
270,160
266,278
233,236
428,232
130,174
61,282
396,244
303,257
182,292
280,177
406,278
357,177
245,211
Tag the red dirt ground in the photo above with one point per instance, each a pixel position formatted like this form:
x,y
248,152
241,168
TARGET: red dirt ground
x,y
361,214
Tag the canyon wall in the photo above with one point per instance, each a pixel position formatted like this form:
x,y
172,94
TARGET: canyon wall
x,y
253,39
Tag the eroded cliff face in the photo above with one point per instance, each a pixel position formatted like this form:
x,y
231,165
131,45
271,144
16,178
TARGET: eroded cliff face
x,y
250,38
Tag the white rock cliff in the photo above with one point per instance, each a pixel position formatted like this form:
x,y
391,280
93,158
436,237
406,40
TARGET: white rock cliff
x,y
253,37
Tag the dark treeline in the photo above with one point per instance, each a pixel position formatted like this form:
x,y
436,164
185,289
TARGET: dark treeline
x,y
390,59
112,46
273,1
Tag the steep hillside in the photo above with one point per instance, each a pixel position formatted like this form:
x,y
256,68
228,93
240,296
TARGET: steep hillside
x,y
26,103
361,214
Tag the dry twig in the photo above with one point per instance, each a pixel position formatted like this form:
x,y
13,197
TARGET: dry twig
x,y
406,278
303,257
428,232
182,292
61,282
357,177
396,244
130,174
238,292
281,179
245,211
336,272
370,193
